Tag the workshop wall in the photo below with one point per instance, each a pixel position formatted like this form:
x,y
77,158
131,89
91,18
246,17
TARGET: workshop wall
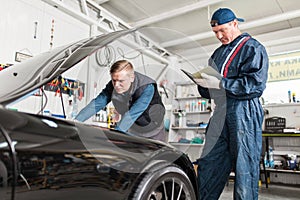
x,y
33,27
29,26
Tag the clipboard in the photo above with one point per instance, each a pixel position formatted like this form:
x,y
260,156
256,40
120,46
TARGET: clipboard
x,y
207,70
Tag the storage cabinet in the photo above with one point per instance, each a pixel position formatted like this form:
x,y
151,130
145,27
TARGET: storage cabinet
x,y
281,132
283,144
189,118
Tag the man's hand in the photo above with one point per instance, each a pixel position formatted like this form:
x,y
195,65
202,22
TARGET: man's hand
x,y
208,81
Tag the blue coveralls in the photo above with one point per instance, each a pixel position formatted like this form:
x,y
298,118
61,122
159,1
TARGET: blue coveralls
x,y
233,136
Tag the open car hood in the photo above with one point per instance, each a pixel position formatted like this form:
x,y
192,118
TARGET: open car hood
x,y
23,78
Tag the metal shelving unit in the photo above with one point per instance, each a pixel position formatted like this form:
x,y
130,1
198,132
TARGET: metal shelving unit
x,y
188,119
281,151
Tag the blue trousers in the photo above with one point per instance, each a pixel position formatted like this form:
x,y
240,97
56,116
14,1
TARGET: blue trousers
x,y
233,143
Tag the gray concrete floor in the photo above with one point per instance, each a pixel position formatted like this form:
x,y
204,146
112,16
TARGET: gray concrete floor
x,y
274,192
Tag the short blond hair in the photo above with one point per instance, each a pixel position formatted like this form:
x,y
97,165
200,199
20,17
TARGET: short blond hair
x,y
121,65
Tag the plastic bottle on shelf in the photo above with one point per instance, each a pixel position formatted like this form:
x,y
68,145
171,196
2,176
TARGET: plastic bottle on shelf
x,y
97,117
266,162
104,115
271,157
203,105
191,106
109,120
183,119
290,96
294,97
187,106
47,113
199,105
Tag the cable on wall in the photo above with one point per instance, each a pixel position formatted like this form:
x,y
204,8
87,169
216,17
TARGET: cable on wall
x,y
122,54
46,101
143,63
105,56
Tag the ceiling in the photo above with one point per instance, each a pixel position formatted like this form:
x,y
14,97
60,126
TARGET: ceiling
x,y
181,27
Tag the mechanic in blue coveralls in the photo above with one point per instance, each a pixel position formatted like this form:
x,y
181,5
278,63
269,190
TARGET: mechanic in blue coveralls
x,y
234,134
135,97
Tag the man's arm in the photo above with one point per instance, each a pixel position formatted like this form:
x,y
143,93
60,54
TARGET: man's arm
x,y
136,109
96,104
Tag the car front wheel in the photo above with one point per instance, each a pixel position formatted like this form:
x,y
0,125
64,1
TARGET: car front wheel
x,y
165,182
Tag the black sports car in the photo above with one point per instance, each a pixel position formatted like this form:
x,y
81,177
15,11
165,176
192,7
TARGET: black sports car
x,y
43,157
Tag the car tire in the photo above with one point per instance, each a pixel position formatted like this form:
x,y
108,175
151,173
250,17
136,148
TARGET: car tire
x,y
165,181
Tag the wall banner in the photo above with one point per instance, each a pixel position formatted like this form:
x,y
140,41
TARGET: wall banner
x,y
284,67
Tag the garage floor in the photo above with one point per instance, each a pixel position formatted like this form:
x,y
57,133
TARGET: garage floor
x,y
274,192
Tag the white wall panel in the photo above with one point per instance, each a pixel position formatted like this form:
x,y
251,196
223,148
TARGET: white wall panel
x,y
18,17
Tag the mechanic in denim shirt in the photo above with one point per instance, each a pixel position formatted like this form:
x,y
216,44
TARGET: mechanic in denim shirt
x,y
234,134
135,97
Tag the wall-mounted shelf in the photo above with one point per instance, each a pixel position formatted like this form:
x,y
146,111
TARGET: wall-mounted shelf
x,y
189,112
188,98
195,112
283,144
186,144
188,128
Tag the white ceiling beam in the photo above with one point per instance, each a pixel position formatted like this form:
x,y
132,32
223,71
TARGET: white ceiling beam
x,y
279,37
290,36
175,12
74,13
101,1
84,7
243,26
187,39
281,41
106,14
92,22
270,20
